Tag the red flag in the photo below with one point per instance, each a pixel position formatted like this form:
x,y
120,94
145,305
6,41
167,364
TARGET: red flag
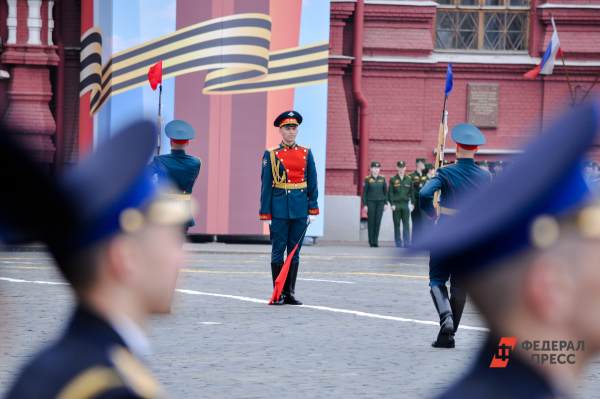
x,y
285,269
280,281
533,73
155,75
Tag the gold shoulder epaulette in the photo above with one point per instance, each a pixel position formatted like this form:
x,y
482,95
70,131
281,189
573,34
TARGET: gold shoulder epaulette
x,y
134,373
91,382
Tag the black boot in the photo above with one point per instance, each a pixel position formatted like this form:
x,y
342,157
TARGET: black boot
x,y
445,338
458,297
290,285
275,269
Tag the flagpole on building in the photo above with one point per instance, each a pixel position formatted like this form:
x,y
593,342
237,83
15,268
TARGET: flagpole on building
x,y
542,102
573,99
590,88
562,57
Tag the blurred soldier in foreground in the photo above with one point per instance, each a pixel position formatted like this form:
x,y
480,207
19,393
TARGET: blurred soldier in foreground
x,y
180,168
375,197
527,249
119,256
452,181
25,186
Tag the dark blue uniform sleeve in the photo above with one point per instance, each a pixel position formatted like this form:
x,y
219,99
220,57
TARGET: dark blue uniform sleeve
x,y
312,185
427,192
197,166
266,190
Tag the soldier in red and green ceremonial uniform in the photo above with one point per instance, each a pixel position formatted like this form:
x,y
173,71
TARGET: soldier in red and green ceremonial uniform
x,y
288,197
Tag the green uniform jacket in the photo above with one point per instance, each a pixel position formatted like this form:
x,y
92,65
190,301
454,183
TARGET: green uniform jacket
x,y
400,190
418,181
375,189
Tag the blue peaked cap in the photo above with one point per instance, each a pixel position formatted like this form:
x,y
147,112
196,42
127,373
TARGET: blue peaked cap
x,y
467,134
178,129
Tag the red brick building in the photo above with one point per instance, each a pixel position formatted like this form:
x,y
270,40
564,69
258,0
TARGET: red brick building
x,y
39,89
407,46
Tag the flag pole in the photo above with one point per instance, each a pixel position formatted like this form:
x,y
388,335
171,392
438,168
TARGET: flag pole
x,y
573,99
590,88
159,118
439,156
562,56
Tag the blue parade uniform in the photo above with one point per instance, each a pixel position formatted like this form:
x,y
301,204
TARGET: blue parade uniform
x,y
507,227
90,360
109,193
180,168
453,182
288,196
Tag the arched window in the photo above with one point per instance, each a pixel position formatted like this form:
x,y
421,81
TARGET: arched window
x,y
493,25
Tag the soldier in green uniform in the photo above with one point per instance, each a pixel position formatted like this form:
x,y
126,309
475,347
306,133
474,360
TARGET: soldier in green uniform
x,y
374,200
419,178
399,196
429,170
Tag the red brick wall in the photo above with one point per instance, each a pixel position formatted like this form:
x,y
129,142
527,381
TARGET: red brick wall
x,y
405,98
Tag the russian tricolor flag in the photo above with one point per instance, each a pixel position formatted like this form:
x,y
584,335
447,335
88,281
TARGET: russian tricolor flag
x,y
553,50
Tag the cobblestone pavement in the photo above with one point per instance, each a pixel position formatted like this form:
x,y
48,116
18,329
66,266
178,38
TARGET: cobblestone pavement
x,y
365,333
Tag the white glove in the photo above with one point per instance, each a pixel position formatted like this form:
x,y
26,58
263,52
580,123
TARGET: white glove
x,y
411,207
312,218
393,207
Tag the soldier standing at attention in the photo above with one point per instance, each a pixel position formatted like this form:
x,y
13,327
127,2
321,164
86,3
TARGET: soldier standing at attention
x,y
288,197
399,196
182,169
419,178
374,200
452,181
